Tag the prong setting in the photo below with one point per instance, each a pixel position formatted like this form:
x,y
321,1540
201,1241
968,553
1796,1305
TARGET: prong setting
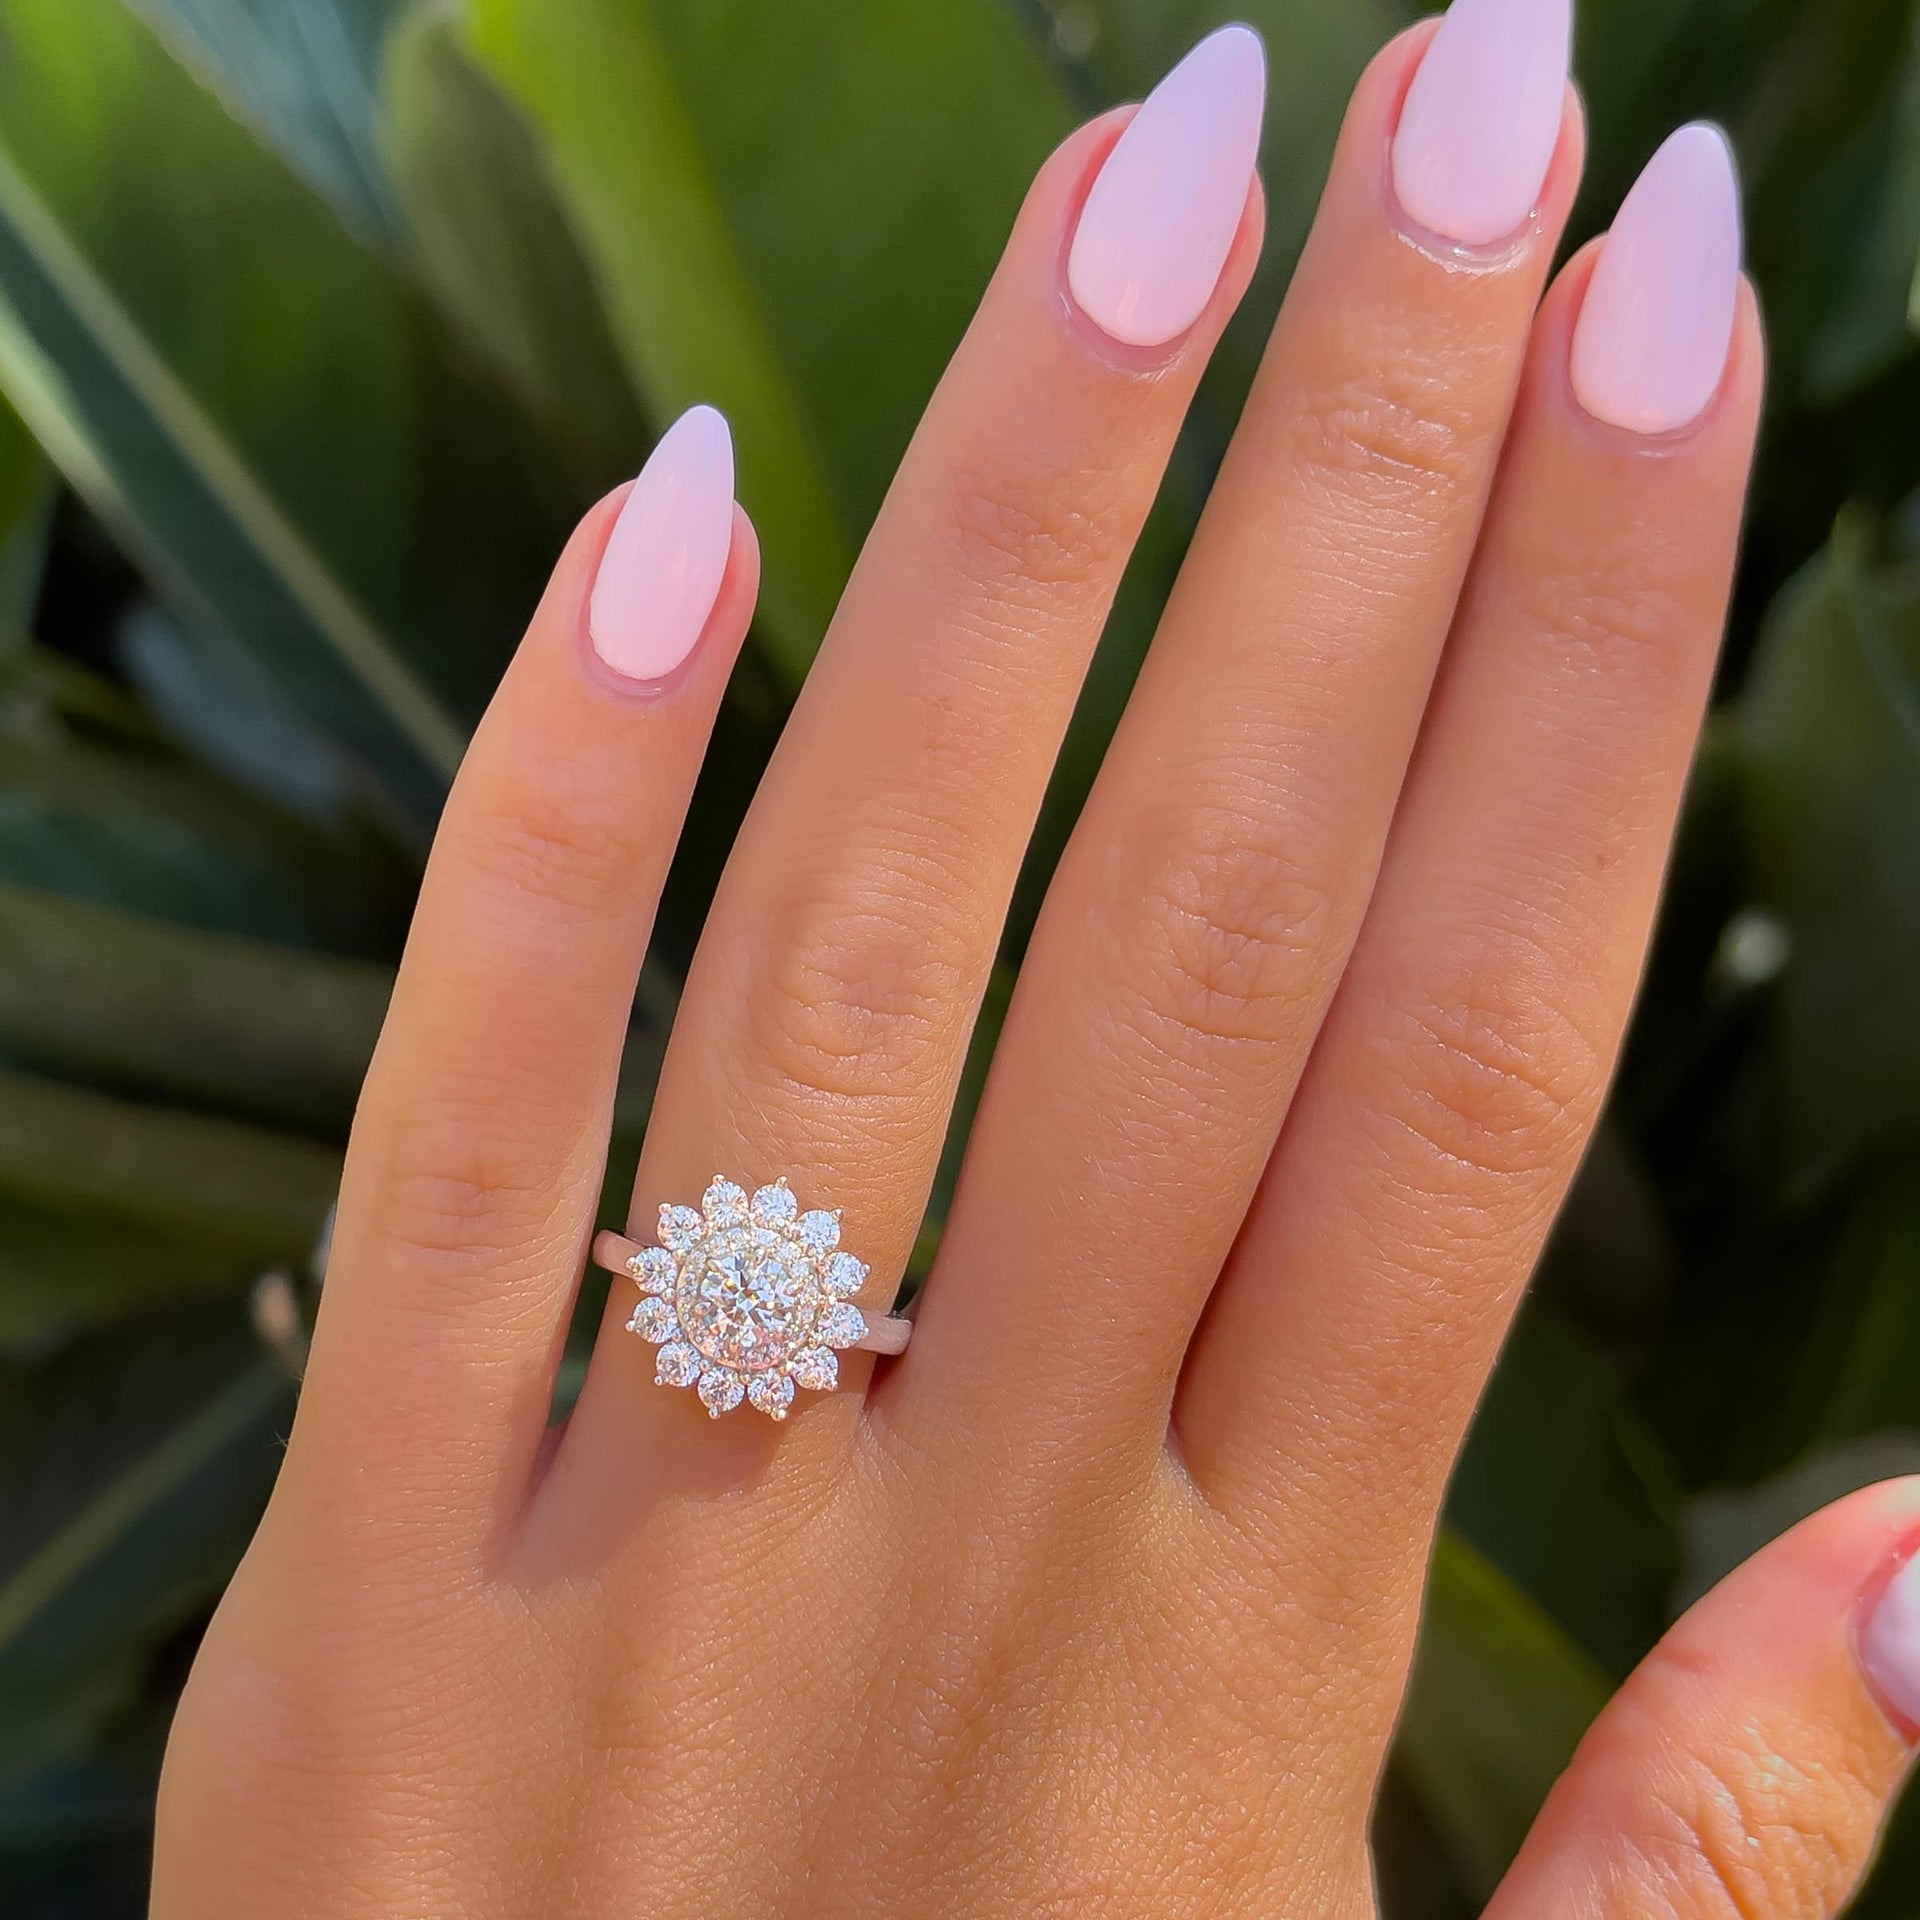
x,y
747,1298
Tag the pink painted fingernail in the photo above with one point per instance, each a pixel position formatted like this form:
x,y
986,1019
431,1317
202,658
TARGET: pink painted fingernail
x,y
1482,118
1161,217
1890,1643
667,553
1651,346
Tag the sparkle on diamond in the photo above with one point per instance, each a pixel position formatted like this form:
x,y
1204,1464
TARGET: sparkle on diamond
x,y
772,1393
678,1366
680,1227
721,1391
819,1231
746,1298
653,1320
846,1275
816,1367
774,1206
844,1326
654,1268
724,1204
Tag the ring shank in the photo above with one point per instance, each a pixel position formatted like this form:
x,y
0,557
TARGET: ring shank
x,y
886,1332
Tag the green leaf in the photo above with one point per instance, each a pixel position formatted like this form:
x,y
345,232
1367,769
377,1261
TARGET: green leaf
x,y
62,1273
132,1470
75,1806
304,75
1499,1700
1854,1373
1728,1526
94,805
627,162
1872,318
1565,1491
495,247
110,1205
793,233
251,1195
225,709
26,501
268,1032
1827,736
189,417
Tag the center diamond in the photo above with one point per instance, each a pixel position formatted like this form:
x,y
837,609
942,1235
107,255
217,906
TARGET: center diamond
x,y
747,1299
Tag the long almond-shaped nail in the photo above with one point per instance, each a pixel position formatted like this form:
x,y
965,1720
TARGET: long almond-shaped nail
x,y
1651,345
1890,1643
1482,118
1160,219
664,560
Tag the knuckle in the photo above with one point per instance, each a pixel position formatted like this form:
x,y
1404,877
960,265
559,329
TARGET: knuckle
x,y
1236,933
866,992
456,1189
543,842
1025,533
1762,1816
1403,441
1624,619
1494,1073
1756,1835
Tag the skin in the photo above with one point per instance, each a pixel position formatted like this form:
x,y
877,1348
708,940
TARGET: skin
x,y
1102,1600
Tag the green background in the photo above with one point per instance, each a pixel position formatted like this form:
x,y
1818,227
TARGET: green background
x,y
319,322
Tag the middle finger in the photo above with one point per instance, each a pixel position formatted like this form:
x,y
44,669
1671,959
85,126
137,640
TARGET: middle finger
x,y
1216,881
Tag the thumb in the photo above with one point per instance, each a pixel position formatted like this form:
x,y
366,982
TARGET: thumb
x,y
1744,1770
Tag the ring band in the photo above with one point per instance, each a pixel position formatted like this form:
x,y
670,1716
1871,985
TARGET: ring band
x,y
748,1298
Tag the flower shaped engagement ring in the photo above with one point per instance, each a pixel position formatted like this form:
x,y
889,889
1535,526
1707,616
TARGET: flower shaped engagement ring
x,y
749,1298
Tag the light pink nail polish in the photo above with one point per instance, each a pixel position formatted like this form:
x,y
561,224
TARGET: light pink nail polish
x,y
1651,345
1890,1643
667,553
1161,217
1482,118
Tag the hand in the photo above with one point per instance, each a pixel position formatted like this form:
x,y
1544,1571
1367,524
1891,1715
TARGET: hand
x,y
1101,1599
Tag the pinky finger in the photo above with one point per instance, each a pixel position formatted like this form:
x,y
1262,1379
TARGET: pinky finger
x,y
481,1137
1744,1771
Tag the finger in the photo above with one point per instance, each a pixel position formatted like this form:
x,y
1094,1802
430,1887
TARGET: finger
x,y
827,1013
1745,1768
1214,884
1463,1063
477,1152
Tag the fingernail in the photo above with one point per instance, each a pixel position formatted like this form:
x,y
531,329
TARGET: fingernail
x,y
1482,118
664,560
1890,1643
1161,217
1651,346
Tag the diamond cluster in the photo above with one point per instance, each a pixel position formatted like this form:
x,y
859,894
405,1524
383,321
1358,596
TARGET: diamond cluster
x,y
748,1298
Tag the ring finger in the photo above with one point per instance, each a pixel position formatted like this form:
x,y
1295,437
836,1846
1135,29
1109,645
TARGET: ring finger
x,y
829,1006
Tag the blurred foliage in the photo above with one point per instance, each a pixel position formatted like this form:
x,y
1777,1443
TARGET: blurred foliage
x,y
320,319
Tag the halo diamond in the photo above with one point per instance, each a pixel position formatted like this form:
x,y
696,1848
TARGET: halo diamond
x,y
747,1298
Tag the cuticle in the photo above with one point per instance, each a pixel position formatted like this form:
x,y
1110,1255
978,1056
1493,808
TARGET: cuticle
x,y
1609,434
1140,363
1087,334
1887,1570
1455,256
607,679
